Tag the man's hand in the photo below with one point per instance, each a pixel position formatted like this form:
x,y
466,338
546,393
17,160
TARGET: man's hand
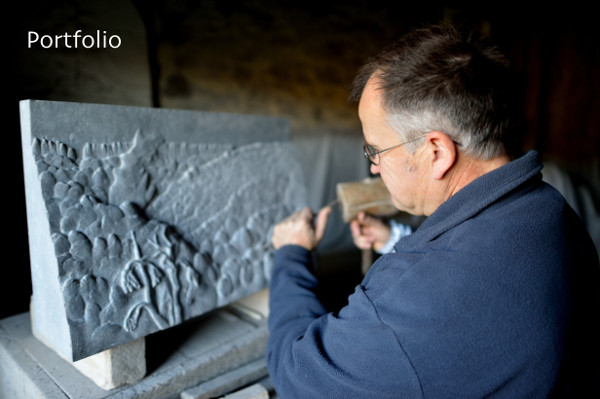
x,y
369,232
298,229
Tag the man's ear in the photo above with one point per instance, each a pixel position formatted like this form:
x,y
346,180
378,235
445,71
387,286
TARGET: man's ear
x,y
444,153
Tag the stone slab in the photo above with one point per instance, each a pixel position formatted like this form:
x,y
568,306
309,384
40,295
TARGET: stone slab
x,y
140,219
228,382
255,391
179,358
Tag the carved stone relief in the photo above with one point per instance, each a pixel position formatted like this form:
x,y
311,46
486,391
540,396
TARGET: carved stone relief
x,y
147,233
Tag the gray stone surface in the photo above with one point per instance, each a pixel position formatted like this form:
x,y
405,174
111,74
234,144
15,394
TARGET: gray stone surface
x,y
208,348
255,391
140,219
228,382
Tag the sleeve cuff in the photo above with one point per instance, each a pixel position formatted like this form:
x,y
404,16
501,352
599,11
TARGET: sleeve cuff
x,y
397,231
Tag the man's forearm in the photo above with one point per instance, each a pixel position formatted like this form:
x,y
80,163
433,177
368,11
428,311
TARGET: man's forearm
x,y
292,291
293,301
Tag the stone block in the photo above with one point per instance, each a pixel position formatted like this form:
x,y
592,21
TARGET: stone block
x,y
140,219
20,375
255,306
218,346
121,365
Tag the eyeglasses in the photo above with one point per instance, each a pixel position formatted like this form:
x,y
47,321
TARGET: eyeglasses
x,y
373,156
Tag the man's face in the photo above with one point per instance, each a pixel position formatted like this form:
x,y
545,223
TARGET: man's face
x,y
399,170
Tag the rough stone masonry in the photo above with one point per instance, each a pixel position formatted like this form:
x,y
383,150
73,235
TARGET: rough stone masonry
x,y
142,218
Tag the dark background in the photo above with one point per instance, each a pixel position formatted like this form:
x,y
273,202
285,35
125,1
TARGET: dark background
x,y
292,59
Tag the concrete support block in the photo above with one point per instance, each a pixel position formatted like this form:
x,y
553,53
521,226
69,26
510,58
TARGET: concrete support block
x,y
255,306
122,365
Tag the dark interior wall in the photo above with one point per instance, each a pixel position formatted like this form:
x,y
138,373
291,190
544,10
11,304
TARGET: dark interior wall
x,y
557,56
282,58
293,59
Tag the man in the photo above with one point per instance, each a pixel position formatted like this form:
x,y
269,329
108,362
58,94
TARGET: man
x,y
494,295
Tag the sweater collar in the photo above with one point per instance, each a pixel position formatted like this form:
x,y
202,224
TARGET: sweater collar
x,y
473,198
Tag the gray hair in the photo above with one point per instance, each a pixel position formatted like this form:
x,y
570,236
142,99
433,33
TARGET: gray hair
x,y
438,78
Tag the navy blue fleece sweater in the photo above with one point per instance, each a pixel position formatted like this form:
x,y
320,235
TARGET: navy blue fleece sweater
x,y
494,295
